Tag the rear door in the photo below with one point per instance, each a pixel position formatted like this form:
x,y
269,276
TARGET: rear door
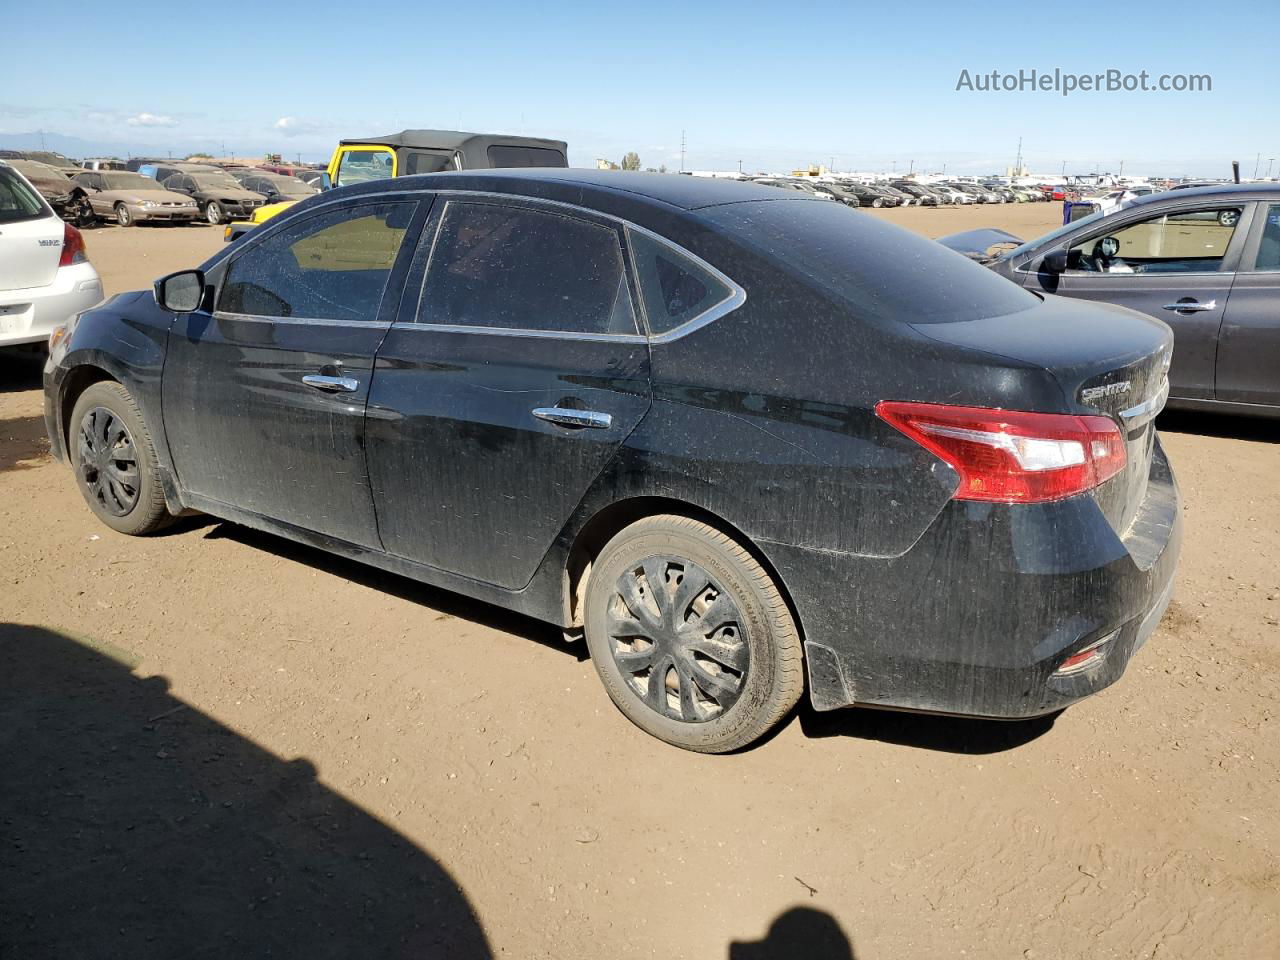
x,y
516,371
1249,345
30,236
264,398
1176,265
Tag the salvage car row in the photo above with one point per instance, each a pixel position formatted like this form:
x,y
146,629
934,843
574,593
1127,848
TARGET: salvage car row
x,y
160,191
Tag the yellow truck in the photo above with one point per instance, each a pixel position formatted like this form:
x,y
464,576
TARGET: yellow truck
x,y
411,152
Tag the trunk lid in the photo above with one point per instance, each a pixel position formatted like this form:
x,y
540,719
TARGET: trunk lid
x,y
1108,360
30,237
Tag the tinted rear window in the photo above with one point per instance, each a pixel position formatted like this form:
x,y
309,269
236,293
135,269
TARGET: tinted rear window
x,y
508,156
17,200
882,271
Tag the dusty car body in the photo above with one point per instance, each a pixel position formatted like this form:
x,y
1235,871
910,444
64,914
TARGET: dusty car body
x,y
68,198
130,198
275,187
217,194
1206,260
740,439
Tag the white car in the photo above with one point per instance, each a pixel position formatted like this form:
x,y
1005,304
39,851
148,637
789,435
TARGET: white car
x,y
45,276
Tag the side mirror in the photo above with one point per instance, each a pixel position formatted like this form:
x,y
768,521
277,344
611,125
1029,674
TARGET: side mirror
x,y
180,292
1055,261
325,182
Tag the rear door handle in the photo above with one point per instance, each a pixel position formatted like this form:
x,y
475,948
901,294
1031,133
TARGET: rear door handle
x,y
1192,307
568,417
332,384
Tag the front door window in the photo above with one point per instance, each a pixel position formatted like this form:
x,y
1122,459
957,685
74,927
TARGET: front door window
x,y
1185,241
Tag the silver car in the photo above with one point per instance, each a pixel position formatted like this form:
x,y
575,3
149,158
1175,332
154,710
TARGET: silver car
x,y
45,275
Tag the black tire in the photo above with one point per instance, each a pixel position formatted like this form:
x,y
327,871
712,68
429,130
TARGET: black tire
x,y
748,671
1228,218
130,501
213,212
124,217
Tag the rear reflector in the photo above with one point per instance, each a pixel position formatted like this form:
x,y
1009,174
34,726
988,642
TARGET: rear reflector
x,y
72,246
1009,456
1090,656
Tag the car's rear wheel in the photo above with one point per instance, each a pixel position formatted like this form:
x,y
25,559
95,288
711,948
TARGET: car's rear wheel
x,y
123,216
213,212
115,461
690,635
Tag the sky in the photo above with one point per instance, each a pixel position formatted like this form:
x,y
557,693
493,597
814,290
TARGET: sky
x,y
776,86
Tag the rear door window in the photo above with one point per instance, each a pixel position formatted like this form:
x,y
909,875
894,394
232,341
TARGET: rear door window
x,y
333,266
506,267
675,288
1268,258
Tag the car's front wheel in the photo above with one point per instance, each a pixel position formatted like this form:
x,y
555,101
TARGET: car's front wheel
x,y
115,461
123,216
213,212
690,635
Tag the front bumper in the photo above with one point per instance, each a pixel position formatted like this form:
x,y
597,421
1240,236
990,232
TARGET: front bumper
x,y
164,214
976,618
29,315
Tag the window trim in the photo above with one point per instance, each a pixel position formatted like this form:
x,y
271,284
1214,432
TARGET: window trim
x,y
736,298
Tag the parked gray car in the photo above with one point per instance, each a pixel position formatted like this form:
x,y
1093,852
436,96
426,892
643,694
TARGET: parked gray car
x,y
1205,260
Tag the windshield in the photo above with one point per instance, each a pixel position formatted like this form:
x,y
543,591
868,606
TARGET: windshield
x,y
290,185
1051,236
129,181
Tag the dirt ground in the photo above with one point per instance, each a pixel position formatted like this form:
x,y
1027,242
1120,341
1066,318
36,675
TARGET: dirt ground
x,y
217,743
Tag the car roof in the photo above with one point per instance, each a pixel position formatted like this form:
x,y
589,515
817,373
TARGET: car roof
x,y
453,140
578,185
1217,191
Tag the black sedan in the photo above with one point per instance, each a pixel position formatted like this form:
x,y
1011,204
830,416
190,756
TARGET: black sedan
x,y
741,440
1206,260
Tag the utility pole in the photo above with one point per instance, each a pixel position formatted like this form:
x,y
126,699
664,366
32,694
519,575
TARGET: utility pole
x,y
1256,164
1270,161
1064,168
682,148
1121,168
1017,163
739,166
912,169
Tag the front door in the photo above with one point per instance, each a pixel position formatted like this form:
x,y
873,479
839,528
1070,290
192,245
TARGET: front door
x,y
1175,266
517,373
264,398
1249,351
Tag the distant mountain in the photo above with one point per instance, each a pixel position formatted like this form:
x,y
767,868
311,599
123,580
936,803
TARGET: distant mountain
x,y
77,148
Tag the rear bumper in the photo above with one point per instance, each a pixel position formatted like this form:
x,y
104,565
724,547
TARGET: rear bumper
x,y
978,615
29,315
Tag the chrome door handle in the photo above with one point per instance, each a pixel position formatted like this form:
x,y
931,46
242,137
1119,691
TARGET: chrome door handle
x,y
567,417
331,384
1192,307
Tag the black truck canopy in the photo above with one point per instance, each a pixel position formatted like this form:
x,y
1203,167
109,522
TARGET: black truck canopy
x,y
475,150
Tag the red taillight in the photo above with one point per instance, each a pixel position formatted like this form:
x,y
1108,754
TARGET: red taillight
x,y
1009,456
72,246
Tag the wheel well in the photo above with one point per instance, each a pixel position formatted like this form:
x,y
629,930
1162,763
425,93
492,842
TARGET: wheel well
x,y
610,521
78,381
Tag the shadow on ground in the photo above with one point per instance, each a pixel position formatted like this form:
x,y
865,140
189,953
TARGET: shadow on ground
x,y
20,369
1220,425
134,826
802,933
441,601
944,734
